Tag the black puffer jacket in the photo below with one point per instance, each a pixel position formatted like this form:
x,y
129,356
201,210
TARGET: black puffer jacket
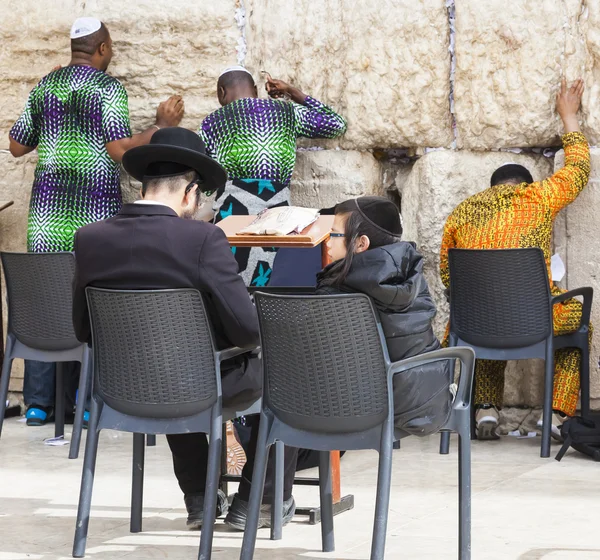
x,y
393,277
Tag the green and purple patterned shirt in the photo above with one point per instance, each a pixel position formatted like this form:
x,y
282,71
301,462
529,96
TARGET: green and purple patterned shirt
x,y
256,138
70,116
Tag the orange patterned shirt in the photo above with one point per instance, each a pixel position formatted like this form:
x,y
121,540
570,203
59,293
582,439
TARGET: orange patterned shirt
x,y
517,216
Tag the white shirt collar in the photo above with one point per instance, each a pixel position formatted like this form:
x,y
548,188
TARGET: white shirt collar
x,y
150,202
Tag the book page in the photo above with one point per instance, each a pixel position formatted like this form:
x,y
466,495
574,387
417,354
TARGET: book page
x,y
282,220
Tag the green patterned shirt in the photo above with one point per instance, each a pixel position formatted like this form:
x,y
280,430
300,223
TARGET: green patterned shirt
x,y
70,116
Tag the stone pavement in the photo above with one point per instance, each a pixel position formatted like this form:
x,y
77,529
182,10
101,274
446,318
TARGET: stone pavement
x,y
524,507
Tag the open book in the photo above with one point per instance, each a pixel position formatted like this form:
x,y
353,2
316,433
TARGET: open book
x,y
281,220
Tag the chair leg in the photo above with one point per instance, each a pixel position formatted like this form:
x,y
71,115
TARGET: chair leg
x,y
277,505
585,379
85,375
325,491
547,411
212,486
223,485
5,378
464,489
444,443
382,504
151,440
87,483
59,402
256,490
137,486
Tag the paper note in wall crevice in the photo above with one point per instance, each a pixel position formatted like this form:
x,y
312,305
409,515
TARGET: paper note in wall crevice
x,y
281,220
557,268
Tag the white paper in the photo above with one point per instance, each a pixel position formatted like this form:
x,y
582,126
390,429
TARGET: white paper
x,y
529,435
282,220
56,441
515,433
557,268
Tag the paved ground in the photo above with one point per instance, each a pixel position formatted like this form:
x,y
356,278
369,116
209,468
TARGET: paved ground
x,y
524,507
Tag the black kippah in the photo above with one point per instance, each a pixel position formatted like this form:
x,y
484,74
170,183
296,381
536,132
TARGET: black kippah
x,y
509,172
380,213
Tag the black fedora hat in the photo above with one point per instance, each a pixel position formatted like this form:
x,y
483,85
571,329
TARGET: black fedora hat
x,y
173,151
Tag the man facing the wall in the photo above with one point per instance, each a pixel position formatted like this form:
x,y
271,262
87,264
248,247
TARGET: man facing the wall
x,y
78,119
516,212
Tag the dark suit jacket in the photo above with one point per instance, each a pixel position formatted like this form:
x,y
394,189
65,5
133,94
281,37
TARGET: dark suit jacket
x,y
148,247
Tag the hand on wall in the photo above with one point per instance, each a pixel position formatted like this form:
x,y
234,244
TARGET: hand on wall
x,y
568,102
170,112
278,89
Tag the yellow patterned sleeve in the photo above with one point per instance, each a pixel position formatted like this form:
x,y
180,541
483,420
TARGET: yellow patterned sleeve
x,y
447,243
565,185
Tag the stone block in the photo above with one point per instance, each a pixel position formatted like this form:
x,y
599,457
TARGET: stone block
x,y
325,177
509,63
34,40
519,418
582,251
16,180
164,48
160,49
439,181
383,65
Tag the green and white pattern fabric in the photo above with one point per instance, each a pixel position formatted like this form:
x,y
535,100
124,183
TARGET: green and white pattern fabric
x,y
255,141
70,116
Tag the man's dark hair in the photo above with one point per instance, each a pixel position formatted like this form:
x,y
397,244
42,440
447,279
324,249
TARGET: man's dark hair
x,y
173,184
90,43
511,174
235,79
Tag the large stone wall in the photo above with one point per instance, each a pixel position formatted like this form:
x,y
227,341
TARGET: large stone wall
x,y
384,64
408,76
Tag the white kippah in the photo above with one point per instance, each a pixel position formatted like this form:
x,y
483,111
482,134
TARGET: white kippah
x,y
234,69
85,26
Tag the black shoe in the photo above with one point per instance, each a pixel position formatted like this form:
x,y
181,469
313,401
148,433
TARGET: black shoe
x,y
194,504
238,512
39,415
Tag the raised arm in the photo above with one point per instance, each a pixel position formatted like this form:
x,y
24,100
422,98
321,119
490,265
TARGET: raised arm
x,y
169,113
313,118
565,185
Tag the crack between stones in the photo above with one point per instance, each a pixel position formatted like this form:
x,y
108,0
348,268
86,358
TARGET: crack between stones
x,y
451,12
242,45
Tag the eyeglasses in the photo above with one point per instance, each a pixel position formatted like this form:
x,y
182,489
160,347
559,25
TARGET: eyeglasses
x,y
197,182
336,234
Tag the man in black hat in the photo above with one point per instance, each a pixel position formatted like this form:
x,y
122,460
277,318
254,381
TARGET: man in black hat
x,y
154,244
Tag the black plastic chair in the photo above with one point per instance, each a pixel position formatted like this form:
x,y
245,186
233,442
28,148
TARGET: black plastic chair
x,y
39,290
157,371
328,385
501,306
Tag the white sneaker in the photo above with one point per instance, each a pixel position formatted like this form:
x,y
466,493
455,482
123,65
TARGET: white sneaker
x,y
557,420
486,422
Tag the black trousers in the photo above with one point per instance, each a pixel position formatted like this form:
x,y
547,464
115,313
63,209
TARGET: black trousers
x,y
190,457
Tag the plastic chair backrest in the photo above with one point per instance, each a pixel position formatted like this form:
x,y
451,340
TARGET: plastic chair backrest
x,y
154,354
40,299
499,298
324,366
